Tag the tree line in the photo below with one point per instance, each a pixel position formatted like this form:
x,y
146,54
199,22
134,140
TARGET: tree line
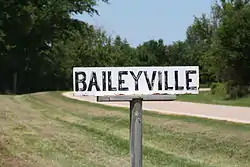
x,y
40,43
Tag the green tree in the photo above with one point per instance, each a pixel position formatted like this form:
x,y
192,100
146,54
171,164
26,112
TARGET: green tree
x,y
198,43
25,50
230,50
152,53
124,54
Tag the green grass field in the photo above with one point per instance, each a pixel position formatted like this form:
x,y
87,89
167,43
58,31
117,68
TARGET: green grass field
x,y
207,97
49,130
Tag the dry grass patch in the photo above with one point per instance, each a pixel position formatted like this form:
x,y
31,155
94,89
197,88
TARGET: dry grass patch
x,y
8,160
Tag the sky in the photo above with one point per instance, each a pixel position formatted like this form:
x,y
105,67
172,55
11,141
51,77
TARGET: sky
x,y
141,20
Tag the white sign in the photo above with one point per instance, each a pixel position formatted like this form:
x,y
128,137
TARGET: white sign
x,y
102,81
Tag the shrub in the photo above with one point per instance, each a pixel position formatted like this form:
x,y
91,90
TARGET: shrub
x,y
219,89
235,90
229,90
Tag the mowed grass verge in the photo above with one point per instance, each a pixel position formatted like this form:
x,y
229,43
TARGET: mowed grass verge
x,y
47,129
208,98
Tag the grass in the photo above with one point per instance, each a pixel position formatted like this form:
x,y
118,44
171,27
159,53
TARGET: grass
x,y
47,129
207,97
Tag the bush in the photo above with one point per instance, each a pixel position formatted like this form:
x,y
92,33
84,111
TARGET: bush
x,y
229,90
219,89
235,90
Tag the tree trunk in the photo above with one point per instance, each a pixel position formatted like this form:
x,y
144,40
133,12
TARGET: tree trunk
x,y
15,82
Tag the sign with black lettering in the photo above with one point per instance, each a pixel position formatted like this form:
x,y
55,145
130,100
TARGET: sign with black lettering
x,y
102,81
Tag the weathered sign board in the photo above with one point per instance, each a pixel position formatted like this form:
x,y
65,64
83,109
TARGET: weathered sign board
x,y
135,84
103,81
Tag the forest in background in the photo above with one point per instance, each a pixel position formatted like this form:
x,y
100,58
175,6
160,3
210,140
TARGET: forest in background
x,y
40,43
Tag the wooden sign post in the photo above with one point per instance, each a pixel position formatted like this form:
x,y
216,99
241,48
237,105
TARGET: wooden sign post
x,y
135,84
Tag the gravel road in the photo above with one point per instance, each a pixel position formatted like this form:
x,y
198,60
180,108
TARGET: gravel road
x,y
219,112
